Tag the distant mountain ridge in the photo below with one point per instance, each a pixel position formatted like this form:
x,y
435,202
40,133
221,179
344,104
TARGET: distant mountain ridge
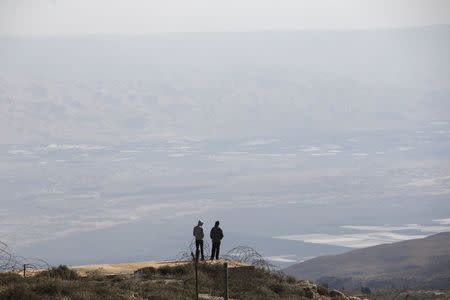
x,y
413,264
389,77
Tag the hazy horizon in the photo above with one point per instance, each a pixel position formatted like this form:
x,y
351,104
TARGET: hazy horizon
x,y
302,142
47,17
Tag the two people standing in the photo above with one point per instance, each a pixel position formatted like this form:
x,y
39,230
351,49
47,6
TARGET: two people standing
x,y
216,236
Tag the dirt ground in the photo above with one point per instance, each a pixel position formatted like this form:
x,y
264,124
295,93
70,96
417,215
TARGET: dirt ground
x,y
130,268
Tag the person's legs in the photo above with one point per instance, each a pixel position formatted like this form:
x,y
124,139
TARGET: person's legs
x,y
217,250
213,250
201,249
197,245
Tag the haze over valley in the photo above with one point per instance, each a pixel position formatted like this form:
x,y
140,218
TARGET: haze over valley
x,y
303,143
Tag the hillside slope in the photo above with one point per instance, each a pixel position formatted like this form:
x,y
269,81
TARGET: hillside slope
x,y
161,281
419,263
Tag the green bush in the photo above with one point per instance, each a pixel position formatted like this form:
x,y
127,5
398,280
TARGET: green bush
x,y
178,270
18,292
291,279
309,293
10,277
48,287
147,272
61,272
323,291
277,288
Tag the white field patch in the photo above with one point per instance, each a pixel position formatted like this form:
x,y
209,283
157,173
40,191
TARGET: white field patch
x,y
55,147
354,240
235,153
282,258
309,149
360,154
443,221
123,159
334,151
19,152
177,155
290,258
130,151
415,227
324,154
404,148
428,182
260,142
371,235
439,123
270,154
441,131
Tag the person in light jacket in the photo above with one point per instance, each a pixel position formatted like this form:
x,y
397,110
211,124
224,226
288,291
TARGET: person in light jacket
x,y
216,236
198,234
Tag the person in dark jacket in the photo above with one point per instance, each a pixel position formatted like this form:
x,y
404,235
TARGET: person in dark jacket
x,y
198,234
216,235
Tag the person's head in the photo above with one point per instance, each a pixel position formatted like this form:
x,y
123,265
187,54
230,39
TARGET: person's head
x,y
200,223
217,223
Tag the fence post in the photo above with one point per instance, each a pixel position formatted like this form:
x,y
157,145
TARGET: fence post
x,y
225,277
24,270
196,274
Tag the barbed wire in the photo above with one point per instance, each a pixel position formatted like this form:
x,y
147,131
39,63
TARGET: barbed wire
x,y
14,263
249,256
6,258
244,254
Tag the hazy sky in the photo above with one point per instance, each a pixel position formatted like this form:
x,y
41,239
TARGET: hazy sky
x,y
65,17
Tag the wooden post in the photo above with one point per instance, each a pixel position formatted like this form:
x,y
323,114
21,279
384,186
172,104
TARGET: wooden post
x,y
196,274
225,277
24,270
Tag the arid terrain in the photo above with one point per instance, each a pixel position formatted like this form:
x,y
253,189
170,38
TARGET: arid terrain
x,y
160,280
